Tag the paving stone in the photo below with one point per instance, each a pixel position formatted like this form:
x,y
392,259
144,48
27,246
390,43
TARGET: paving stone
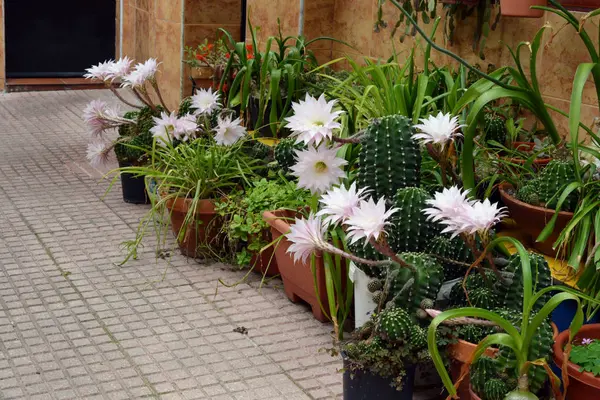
x,y
74,325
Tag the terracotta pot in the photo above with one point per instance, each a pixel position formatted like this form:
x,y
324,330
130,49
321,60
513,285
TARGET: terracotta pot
x,y
521,8
298,281
528,147
582,385
200,237
461,353
532,220
265,262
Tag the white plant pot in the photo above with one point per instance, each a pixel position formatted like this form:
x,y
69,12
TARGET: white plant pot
x,y
363,299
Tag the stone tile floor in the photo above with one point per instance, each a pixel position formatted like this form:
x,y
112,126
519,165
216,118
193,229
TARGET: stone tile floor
x,y
74,325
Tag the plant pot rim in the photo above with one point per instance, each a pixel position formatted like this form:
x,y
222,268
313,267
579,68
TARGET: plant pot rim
x,y
463,351
573,369
504,186
182,204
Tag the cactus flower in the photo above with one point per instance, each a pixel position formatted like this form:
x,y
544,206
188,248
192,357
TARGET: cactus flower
x,y
99,117
99,153
205,101
229,131
369,220
440,129
314,120
99,72
120,68
340,203
307,236
318,169
164,127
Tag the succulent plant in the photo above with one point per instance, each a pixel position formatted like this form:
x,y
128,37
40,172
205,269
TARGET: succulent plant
x,y
418,336
390,159
285,153
377,296
495,389
411,231
137,135
484,369
474,281
494,128
529,193
374,285
510,291
452,254
473,333
409,289
185,107
483,297
552,179
395,324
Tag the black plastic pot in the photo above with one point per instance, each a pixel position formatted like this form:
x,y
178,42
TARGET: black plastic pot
x,y
134,187
363,385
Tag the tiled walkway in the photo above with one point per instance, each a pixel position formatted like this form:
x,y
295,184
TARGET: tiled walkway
x,y
74,325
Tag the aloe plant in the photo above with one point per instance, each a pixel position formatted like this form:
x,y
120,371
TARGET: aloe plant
x,y
517,339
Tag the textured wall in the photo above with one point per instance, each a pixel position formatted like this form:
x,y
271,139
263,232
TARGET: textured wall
x,y
353,20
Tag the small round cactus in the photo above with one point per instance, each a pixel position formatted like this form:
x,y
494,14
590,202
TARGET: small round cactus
x,y
377,296
285,153
418,337
494,389
484,369
395,324
494,128
483,297
374,285
529,193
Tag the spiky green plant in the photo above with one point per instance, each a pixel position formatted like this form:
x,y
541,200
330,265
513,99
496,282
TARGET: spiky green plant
x,y
285,153
395,324
408,288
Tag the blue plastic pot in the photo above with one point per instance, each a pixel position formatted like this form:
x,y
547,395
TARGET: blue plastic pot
x,y
564,314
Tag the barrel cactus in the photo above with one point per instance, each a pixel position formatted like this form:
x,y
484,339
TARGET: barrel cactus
x,y
484,369
494,128
418,337
483,297
395,324
474,282
529,193
389,159
411,231
185,107
285,153
452,254
552,180
137,136
494,389
374,285
426,281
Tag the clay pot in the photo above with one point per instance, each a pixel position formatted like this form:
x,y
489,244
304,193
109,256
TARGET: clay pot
x,y
201,236
582,385
461,353
532,220
528,147
521,8
265,263
298,281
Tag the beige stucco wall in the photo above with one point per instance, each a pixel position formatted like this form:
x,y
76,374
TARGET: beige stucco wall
x,y
353,20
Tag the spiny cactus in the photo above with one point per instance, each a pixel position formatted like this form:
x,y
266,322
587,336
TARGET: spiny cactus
x,y
368,252
137,135
473,333
409,289
285,153
495,389
374,285
185,107
494,128
411,231
483,297
453,255
474,281
484,369
540,348
510,291
395,324
377,296
418,336
390,159
529,193
552,180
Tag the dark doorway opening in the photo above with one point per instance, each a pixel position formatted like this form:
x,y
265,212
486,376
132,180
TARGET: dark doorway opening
x,y
60,38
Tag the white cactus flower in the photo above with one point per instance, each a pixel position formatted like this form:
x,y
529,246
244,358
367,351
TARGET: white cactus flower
x,y
314,120
369,220
229,131
440,129
340,203
307,236
318,169
205,102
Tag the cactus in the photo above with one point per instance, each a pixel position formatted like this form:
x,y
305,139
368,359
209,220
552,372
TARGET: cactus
x,y
377,296
473,333
137,135
484,369
540,348
483,297
494,128
285,153
474,281
453,254
552,180
395,324
529,193
185,107
389,159
418,337
367,251
411,230
426,281
374,285
495,389
510,291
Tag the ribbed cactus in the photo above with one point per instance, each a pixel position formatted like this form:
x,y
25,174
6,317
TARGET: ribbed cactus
x,y
390,159
510,291
285,153
495,389
473,333
374,285
137,135
395,324
377,296
453,255
409,289
483,297
484,369
540,348
474,281
529,193
552,180
418,336
494,128
411,231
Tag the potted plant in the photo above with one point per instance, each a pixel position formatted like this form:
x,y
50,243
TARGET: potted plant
x,y
581,363
246,230
208,61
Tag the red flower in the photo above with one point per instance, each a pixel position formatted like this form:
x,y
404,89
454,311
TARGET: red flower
x,y
250,56
224,88
227,56
249,48
201,57
210,46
